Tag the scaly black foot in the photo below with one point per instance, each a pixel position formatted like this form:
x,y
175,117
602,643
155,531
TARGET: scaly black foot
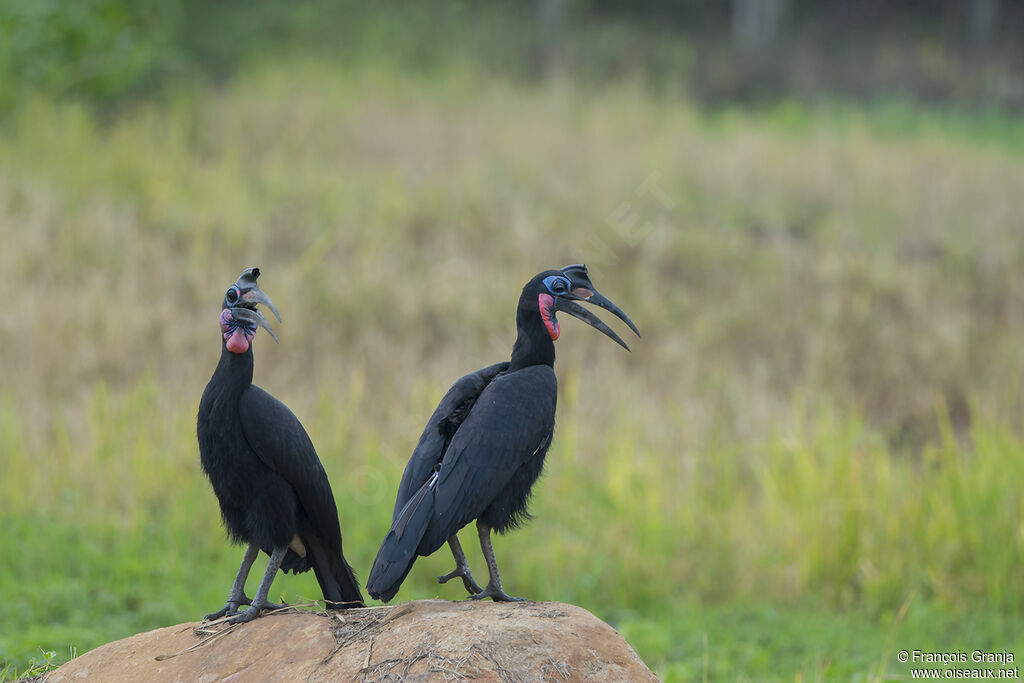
x,y
237,595
493,590
495,594
254,611
231,608
467,579
260,603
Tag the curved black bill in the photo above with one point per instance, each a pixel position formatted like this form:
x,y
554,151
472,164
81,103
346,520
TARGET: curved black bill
x,y
577,311
255,295
251,293
251,315
249,296
583,290
599,299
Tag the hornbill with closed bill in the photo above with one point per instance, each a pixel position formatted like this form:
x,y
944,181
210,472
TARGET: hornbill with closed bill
x,y
484,446
272,489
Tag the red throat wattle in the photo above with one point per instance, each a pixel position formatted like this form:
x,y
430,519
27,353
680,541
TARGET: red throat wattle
x,y
236,336
237,343
547,314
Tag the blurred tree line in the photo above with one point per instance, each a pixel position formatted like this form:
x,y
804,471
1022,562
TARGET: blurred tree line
x,y
758,23
960,51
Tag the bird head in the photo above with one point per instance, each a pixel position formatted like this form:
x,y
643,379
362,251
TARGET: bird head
x,y
559,290
239,317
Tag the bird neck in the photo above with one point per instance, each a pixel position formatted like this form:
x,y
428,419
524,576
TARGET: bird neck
x,y
534,345
234,369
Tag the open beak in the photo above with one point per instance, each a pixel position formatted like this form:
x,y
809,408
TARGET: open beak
x,y
598,299
255,295
255,317
577,311
583,290
250,296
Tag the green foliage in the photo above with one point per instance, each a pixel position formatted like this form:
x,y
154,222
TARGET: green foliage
x,y
96,48
33,669
809,460
105,52
100,51
681,560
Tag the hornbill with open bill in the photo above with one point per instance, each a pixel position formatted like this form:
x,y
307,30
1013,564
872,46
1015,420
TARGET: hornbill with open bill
x,y
273,491
484,446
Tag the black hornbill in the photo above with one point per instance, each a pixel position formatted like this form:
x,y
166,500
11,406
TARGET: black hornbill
x,y
273,491
484,446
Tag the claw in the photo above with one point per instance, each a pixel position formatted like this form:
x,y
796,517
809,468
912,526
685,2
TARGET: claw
x,y
224,611
495,594
254,611
229,609
244,617
467,579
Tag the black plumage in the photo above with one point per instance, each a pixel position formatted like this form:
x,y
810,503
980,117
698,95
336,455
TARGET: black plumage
x,y
273,491
484,446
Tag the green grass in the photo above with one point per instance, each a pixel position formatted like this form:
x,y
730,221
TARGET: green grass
x,y
810,460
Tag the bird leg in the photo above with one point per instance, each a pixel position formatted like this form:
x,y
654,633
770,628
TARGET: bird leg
x,y
493,590
461,568
237,595
259,603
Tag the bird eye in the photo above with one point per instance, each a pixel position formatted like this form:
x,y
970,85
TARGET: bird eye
x,y
232,295
556,284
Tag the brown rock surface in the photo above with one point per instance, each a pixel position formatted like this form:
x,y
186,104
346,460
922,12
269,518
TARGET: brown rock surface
x,y
425,640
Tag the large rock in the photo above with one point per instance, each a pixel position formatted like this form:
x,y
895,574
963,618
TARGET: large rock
x,y
423,641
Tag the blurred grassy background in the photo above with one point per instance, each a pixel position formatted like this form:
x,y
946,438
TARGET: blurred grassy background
x,y
810,461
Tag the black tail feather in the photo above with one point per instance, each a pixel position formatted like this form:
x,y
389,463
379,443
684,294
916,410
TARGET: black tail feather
x,y
292,562
398,552
333,573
